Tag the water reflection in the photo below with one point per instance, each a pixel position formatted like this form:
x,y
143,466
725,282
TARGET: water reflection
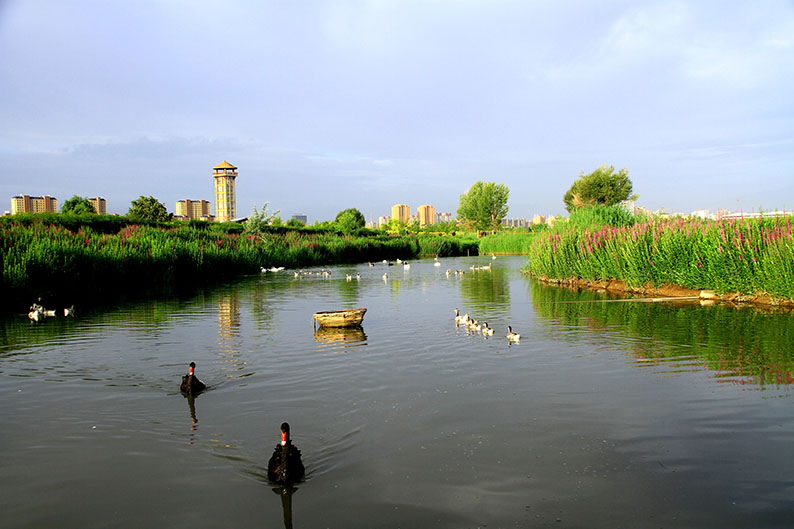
x,y
484,284
739,345
286,503
229,333
340,338
191,403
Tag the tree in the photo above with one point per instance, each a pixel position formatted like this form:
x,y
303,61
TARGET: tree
x,y
148,208
484,206
602,186
255,225
349,220
295,223
78,206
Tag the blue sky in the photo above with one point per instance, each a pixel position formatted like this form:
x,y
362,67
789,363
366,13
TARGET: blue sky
x,y
329,105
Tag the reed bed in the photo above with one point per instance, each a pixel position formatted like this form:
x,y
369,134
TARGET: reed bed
x,y
748,256
446,245
52,261
507,243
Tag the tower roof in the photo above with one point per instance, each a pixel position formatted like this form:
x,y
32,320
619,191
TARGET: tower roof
x,y
224,165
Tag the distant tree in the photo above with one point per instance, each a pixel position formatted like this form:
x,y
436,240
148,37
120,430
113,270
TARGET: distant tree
x,y
394,227
484,206
602,186
148,208
295,223
349,220
78,206
257,220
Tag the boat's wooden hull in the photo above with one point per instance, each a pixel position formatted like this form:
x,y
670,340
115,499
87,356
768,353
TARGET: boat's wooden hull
x,y
340,318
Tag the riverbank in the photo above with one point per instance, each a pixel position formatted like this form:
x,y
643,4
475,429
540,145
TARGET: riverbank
x,y
673,292
733,261
64,261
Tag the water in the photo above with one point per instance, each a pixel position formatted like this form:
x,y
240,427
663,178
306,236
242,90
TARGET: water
x,y
604,415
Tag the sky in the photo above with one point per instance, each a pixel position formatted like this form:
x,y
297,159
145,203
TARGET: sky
x,y
329,105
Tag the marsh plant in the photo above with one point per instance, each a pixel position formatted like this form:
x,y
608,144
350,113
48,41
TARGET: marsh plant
x,y
746,255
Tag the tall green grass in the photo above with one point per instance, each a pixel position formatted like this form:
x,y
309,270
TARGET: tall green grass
x,y
747,256
599,215
446,245
52,261
507,242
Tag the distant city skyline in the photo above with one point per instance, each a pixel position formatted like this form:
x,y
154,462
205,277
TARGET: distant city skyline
x,y
331,105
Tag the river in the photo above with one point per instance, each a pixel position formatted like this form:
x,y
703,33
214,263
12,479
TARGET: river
x,y
604,415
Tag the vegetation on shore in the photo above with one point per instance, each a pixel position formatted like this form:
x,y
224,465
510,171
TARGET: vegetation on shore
x,y
746,256
64,258
507,242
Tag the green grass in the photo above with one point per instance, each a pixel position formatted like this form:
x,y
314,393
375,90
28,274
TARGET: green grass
x,y
507,242
747,256
69,259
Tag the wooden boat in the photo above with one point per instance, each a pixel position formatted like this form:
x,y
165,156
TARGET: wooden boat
x,y
340,318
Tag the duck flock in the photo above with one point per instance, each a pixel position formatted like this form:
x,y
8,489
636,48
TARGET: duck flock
x,y
38,312
474,325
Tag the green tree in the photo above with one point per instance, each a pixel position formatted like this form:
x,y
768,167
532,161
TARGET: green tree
x,y
295,223
602,186
258,220
349,220
78,206
484,206
148,208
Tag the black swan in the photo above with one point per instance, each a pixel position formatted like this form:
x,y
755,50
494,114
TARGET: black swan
x,y
190,384
285,465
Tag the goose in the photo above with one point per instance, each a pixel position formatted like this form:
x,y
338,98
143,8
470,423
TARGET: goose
x,y
399,261
348,277
458,317
385,276
190,383
49,313
406,266
436,264
68,311
448,272
486,331
34,315
285,465
475,326
512,336
358,277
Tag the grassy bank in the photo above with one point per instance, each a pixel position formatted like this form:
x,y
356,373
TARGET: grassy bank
x,y
64,261
508,242
747,256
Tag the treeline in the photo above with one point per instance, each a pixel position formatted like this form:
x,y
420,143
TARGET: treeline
x,y
77,259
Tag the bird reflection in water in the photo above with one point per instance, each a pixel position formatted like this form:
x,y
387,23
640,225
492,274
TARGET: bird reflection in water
x,y
191,387
286,493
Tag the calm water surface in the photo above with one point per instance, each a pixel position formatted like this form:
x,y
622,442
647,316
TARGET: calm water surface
x,y
608,415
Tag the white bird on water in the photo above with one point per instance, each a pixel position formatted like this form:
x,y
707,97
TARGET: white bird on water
x,y
512,336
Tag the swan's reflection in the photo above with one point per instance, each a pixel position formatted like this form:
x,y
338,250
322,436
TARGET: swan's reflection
x,y
340,337
191,402
286,503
